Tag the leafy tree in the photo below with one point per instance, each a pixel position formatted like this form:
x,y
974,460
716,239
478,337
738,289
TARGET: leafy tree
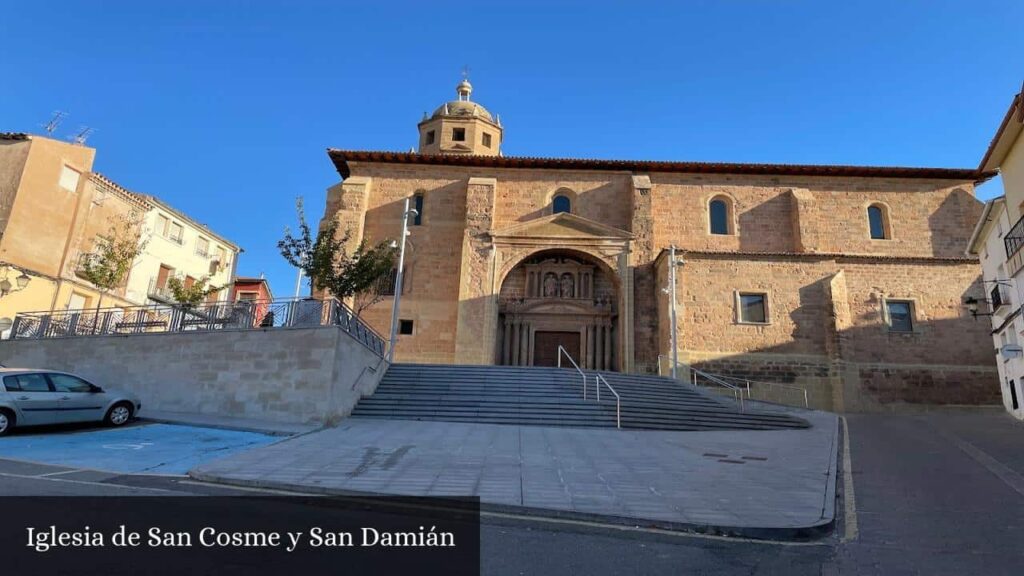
x,y
110,261
328,265
188,296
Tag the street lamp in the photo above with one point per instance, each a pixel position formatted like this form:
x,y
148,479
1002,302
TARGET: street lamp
x,y
21,282
406,213
972,306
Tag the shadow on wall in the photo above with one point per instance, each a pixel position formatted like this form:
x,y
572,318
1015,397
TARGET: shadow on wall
x,y
871,368
953,223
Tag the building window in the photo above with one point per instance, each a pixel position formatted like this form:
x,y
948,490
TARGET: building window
x,y
752,307
900,315
878,222
719,216
561,204
69,178
386,283
487,140
202,247
417,202
429,138
458,134
405,327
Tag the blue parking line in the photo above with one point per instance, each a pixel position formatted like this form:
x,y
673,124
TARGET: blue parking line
x,y
152,448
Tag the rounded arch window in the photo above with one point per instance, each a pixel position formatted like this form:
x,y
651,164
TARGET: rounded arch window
x,y
878,222
561,203
720,216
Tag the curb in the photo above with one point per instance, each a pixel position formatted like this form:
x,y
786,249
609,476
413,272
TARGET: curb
x,y
825,527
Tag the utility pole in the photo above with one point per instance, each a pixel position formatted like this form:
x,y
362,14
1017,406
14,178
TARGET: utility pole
x,y
298,284
406,212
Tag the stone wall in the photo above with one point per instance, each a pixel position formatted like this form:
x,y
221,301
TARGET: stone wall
x,y
299,375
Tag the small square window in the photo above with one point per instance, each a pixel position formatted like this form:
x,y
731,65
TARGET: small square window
x,y
900,314
458,134
430,138
753,308
487,140
69,178
405,327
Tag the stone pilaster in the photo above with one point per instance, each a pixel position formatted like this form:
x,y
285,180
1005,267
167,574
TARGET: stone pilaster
x,y
346,204
640,310
478,306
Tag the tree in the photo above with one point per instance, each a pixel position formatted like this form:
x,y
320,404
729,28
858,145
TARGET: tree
x,y
188,296
328,265
110,261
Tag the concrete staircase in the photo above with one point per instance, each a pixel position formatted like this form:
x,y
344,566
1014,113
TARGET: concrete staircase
x,y
554,397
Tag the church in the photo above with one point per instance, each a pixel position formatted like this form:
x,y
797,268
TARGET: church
x,y
846,281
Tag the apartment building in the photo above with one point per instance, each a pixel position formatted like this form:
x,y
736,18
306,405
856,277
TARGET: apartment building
x,y
998,240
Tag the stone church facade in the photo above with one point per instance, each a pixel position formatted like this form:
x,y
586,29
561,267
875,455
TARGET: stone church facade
x,y
845,280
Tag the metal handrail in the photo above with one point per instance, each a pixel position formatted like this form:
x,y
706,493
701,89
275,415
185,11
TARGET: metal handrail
x,y
618,401
737,392
561,351
748,382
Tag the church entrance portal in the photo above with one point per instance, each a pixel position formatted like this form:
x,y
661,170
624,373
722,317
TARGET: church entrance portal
x,y
558,298
545,347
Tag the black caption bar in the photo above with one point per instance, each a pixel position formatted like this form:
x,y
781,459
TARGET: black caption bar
x,y
251,535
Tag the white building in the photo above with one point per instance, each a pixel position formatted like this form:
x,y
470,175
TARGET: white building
x,y
998,240
179,247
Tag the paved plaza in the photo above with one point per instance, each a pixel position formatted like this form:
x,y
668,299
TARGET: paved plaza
x,y
734,482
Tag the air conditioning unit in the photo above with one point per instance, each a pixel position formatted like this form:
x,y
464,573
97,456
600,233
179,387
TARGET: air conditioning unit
x,y
1011,351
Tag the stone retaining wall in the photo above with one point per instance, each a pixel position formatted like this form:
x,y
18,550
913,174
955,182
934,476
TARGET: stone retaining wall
x,y
296,375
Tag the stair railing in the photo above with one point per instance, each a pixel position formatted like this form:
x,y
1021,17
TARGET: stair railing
x,y
737,392
801,392
598,380
562,351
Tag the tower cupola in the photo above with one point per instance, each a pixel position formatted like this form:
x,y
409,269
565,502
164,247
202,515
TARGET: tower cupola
x,y
461,126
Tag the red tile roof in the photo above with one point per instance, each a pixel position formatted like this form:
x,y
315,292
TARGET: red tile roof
x,y
341,158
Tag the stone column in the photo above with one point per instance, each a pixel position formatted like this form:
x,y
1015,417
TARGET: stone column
x,y
607,346
524,340
638,319
598,348
514,360
506,338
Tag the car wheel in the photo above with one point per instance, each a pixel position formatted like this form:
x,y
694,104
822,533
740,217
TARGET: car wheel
x,y
119,414
6,422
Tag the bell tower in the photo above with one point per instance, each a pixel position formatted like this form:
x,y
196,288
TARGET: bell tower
x,y
461,126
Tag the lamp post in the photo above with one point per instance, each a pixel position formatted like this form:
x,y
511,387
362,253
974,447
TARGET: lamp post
x,y
406,212
21,282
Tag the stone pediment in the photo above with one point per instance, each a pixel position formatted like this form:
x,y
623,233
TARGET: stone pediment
x,y
562,225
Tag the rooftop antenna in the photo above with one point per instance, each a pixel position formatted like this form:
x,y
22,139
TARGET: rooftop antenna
x,y
83,134
54,122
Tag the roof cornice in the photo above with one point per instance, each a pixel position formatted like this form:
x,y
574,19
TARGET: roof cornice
x,y
1008,132
341,159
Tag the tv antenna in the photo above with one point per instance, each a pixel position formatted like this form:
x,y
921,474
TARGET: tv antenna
x,y
83,134
54,122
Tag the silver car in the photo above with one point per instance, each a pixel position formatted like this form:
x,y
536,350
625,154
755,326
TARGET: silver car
x,y
32,397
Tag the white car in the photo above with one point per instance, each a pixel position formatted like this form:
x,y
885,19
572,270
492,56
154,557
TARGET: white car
x,y
32,397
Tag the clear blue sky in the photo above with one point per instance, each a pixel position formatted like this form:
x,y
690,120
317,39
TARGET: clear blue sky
x,y
224,109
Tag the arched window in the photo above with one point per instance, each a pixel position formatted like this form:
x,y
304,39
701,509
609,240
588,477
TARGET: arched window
x,y
561,204
878,222
718,214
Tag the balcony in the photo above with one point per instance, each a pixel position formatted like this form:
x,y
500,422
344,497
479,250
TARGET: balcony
x,y
998,298
1014,241
160,292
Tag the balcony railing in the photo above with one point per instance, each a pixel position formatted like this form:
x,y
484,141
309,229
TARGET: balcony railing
x,y
995,297
1014,241
221,315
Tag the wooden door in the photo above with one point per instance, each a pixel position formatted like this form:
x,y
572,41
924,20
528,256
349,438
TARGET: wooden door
x,y
545,347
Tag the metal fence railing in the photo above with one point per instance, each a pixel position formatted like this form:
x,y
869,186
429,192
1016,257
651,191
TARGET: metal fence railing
x,y
221,315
